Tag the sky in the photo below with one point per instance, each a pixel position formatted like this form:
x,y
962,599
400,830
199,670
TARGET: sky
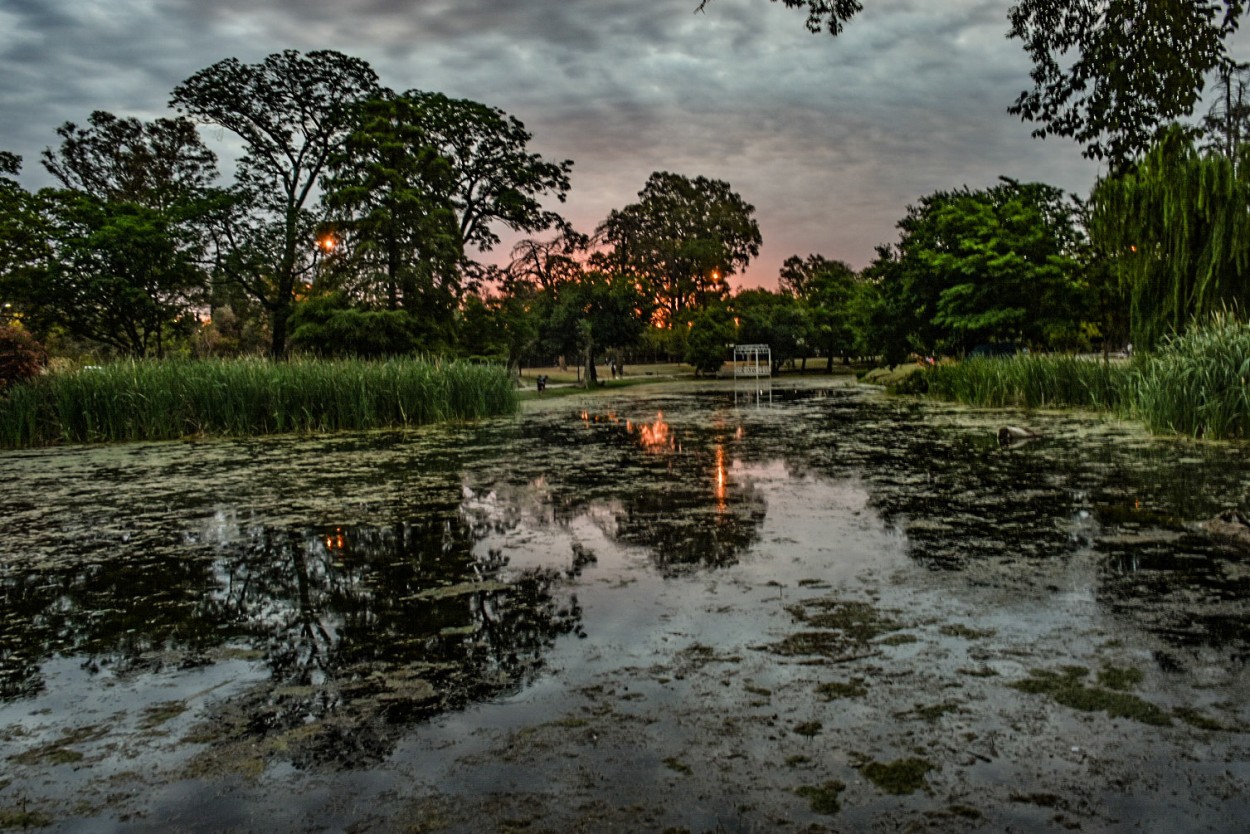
x,y
829,139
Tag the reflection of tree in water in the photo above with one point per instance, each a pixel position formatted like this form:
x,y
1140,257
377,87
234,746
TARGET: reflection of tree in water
x,y
362,628
666,482
130,612
368,628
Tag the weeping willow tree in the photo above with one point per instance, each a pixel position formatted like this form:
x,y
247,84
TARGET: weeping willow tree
x,y
1177,228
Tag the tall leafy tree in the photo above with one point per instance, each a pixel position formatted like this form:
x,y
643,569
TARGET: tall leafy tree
x,y
598,312
827,289
890,310
124,238
1003,259
496,180
157,164
681,240
292,112
391,225
23,242
1177,228
118,273
712,332
973,266
775,319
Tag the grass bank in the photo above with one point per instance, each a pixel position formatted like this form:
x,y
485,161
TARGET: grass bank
x,y
1196,384
168,399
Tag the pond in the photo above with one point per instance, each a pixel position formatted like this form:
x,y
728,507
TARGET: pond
x,y
804,606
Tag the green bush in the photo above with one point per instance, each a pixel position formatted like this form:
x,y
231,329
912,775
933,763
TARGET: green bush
x,y
324,327
21,356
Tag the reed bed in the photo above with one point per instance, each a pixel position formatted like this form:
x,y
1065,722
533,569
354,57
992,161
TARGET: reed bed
x,y
164,400
1196,384
1034,381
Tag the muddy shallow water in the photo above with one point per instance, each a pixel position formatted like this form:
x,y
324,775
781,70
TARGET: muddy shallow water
x,y
806,607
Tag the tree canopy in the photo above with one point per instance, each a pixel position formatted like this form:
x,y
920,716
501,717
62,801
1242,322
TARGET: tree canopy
x,y
681,240
117,254
391,226
292,111
496,179
828,289
977,266
1177,229
1112,73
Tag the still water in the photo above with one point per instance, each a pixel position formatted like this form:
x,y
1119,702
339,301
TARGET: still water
x,y
798,607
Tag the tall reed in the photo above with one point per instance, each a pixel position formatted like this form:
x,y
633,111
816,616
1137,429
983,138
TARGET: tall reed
x,y
161,400
1033,381
1199,383
1196,384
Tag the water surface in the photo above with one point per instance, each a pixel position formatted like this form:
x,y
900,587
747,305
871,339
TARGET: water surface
x,y
668,608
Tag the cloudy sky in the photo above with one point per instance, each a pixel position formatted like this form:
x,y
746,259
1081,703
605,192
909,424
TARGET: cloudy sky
x,y
829,139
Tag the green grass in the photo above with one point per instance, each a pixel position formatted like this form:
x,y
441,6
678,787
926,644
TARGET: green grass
x,y
169,399
1196,384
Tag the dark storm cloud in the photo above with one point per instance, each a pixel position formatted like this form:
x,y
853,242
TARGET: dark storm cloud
x,y
829,139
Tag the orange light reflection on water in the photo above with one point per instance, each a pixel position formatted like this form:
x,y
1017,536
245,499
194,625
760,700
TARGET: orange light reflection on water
x,y
655,436
722,479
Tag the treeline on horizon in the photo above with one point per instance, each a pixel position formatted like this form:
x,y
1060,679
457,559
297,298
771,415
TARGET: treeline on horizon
x,y
352,220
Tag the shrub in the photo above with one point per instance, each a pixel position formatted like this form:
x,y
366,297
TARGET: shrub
x,y
21,356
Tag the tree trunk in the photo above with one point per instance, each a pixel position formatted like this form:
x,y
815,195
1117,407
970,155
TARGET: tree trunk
x,y
592,378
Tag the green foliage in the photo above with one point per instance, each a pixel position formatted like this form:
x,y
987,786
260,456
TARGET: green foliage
x,y
681,241
977,266
21,356
167,399
392,235
1110,74
1177,229
496,178
828,291
119,273
292,112
709,340
158,164
596,312
113,256
774,319
326,326
1197,384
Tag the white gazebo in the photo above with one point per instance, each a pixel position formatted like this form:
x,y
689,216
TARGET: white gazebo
x,y
753,361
